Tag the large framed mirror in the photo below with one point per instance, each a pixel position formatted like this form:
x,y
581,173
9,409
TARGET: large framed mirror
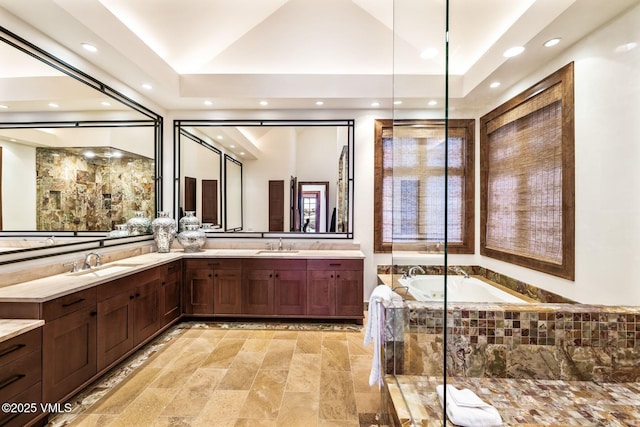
x,y
277,154
77,156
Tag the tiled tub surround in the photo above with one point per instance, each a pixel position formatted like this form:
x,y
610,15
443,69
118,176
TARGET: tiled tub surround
x,y
539,364
515,285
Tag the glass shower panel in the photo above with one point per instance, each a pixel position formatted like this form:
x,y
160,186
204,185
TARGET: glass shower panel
x,y
415,175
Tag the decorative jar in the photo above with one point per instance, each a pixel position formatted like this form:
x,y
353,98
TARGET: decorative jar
x,y
164,231
188,218
120,231
139,224
192,238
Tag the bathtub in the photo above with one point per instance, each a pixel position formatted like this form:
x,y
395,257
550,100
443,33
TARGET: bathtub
x,y
459,289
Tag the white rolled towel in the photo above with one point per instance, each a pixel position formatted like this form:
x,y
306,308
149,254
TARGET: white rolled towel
x,y
466,409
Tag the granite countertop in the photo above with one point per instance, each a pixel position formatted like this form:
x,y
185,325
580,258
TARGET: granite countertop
x,y
51,287
10,328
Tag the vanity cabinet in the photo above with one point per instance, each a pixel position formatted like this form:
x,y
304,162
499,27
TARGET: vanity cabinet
x,y
335,288
213,286
68,344
170,292
274,287
21,376
129,312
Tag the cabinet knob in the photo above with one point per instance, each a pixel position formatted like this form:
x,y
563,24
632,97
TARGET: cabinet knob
x,y
210,275
93,313
131,296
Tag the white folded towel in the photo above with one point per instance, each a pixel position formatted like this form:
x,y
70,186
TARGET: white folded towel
x,y
466,409
375,328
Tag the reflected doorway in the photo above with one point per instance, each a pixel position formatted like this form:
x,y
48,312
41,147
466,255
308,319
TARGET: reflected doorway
x,y
313,202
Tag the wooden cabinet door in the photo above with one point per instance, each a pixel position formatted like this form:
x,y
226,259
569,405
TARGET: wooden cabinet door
x,y
257,292
349,297
170,293
276,205
321,293
227,291
146,311
290,292
115,328
68,353
199,291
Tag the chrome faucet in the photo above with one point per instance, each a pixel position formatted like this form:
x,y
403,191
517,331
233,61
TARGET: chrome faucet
x,y
457,269
87,258
280,244
412,270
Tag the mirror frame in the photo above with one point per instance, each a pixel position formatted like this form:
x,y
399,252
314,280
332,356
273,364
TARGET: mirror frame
x,y
235,233
230,161
177,172
86,239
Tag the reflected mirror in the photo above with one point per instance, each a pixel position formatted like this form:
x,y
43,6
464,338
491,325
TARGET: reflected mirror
x,y
232,194
76,155
312,159
200,178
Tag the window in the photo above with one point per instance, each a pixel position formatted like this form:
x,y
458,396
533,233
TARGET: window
x,y
409,196
527,170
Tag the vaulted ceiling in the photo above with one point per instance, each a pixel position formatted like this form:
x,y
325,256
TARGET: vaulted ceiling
x,y
292,53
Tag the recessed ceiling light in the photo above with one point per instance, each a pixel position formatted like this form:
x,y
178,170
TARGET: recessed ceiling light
x,y
208,103
219,137
242,153
13,140
4,106
232,146
513,51
147,86
318,103
397,102
89,47
494,85
53,105
433,102
375,104
429,53
105,103
263,103
552,42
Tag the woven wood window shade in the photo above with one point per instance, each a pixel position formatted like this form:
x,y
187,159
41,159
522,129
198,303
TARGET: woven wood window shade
x,y
528,177
410,173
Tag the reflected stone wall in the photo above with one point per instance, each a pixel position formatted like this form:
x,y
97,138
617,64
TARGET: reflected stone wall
x,y
78,193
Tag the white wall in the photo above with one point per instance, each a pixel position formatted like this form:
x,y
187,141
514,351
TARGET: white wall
x,y
18,186
607,154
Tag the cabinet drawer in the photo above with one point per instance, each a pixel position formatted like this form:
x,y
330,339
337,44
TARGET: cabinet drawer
x,y
274,264
214,263
16,347
30,396
171,270
17,376
334,264
225,263
68,304
117,286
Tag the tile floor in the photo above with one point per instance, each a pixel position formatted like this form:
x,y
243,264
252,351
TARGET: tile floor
x,y
208,376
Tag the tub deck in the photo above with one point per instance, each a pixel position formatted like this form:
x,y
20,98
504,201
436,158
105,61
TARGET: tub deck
x,y
521,402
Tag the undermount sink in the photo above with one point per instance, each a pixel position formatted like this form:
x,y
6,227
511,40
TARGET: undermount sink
x,y
276,251
105,270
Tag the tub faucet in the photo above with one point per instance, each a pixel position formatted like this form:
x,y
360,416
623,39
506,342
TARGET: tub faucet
x,y
87,258
412,270
459,270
